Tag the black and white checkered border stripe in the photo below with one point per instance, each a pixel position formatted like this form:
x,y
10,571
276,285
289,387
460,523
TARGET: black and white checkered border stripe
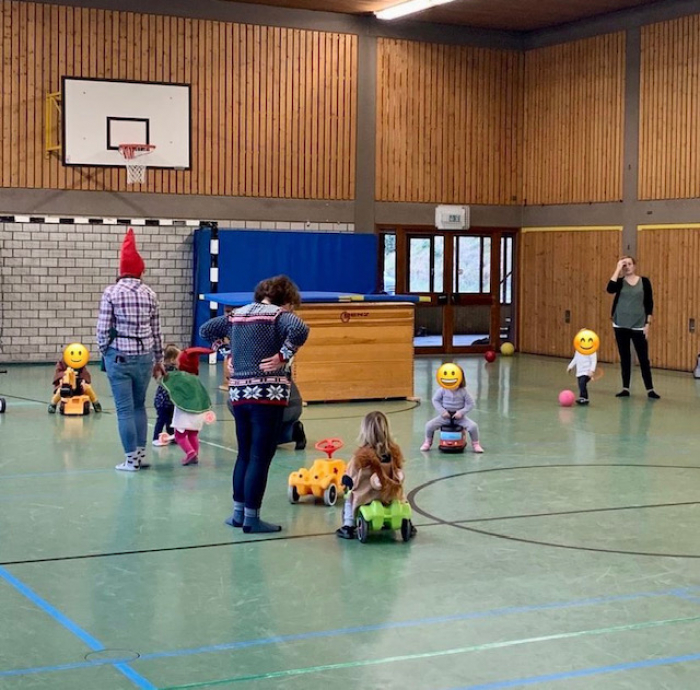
x,y
87,220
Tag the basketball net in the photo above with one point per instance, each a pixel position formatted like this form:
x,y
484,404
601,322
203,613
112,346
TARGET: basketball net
x,y
135,167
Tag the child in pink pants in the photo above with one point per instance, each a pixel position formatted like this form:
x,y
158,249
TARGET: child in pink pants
x,y
191,401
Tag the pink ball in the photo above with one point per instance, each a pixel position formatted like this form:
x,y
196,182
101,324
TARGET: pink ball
x,y
567,398
490,356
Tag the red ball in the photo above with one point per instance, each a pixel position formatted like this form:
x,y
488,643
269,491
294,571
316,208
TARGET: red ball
x,y
490,356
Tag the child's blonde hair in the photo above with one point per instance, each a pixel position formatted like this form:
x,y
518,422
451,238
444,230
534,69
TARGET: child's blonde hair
x,y
374,432
171,353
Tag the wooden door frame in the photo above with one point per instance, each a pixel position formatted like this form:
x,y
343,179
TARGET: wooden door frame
x,y
402,232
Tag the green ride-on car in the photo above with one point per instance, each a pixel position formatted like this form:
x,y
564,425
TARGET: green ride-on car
x,y
375,516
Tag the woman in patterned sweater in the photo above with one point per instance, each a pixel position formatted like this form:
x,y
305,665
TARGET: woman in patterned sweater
x,y
264,336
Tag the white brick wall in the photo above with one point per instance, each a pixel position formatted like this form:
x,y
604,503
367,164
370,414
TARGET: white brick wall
x,y
52,277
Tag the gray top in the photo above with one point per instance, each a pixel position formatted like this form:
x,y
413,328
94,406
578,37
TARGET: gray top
x,y
629,312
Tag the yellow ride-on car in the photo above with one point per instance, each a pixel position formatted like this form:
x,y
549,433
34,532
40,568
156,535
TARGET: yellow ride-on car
x,y
322,479
73,400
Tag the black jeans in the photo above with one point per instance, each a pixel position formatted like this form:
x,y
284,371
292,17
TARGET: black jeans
x,y
164,420
583,386
625,336
257,431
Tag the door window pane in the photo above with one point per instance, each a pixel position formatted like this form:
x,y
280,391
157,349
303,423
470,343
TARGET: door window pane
x,y
389,265
472,325
467,257
439,264
419,264
428,326
506,269
485,264
472,265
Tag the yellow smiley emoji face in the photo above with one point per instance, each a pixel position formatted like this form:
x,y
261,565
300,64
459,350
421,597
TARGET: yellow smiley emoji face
x,y
586,342
76,356
450,376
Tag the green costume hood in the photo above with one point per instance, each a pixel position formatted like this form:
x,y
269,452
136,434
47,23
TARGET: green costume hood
x,y
187,392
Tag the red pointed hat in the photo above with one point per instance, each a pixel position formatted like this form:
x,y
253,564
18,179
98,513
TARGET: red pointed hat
x,y
189,359
130,261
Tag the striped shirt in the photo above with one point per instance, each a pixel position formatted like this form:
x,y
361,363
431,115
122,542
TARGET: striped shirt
x,y
131,309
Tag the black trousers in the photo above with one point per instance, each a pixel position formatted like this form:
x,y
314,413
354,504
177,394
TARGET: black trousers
x,y
164,420
257,431
625,336
583,386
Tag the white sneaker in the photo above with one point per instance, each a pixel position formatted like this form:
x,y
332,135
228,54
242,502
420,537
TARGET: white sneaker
x,y
127,467
157,442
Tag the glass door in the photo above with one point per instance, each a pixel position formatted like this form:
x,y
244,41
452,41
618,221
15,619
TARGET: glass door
x,y
465,280
474,310
426,277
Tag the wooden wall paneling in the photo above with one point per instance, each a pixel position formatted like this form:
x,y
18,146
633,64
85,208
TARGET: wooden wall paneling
x,y
6,104
323,137
573,121
312,103
666,253
351,122
444,127
561,275
300,144
341,175
669,109
272,178
293,107
26,152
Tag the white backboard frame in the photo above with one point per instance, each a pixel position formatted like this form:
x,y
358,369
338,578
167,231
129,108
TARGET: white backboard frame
x,y
96,111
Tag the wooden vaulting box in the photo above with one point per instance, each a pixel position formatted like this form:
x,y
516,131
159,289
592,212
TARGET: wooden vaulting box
x,y
356,351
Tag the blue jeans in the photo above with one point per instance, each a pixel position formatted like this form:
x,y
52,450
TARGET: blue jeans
x,y
257,430
129,376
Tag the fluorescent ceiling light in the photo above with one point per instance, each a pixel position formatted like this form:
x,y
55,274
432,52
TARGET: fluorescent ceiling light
x,y
404,8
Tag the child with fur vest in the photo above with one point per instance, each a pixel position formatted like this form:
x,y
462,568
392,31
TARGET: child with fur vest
x,y
374,471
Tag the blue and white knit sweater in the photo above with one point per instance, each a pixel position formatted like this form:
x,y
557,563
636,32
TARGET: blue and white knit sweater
x,y
258,331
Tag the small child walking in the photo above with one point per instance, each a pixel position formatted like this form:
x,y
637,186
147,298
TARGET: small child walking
x,y
191,401
375,471
585,368
164,406
452,404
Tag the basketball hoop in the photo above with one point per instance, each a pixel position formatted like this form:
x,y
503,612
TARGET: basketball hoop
x,y
135,169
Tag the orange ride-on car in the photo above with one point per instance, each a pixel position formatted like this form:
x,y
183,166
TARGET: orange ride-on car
x,y
322,479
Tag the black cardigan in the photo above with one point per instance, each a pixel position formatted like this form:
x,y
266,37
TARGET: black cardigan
x,y
615,286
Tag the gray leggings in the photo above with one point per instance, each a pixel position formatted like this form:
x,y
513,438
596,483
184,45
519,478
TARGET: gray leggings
x,y
469,424
348,512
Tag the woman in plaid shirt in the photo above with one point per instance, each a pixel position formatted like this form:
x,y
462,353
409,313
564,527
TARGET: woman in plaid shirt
x,y
129,338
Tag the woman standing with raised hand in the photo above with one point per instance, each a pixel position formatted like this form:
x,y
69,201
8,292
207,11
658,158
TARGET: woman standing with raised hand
x,y
632,313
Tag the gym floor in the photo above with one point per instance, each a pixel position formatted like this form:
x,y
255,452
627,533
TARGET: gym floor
x,y
567,556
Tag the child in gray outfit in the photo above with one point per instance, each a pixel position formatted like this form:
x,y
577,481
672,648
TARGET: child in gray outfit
x,y
453,405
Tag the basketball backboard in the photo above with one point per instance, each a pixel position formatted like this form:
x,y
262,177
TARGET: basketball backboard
x,y
100,114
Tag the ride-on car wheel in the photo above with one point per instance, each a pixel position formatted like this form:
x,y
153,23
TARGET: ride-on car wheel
x,y
362,530
330,495
62,407
3,405
406,529
86,408
292,494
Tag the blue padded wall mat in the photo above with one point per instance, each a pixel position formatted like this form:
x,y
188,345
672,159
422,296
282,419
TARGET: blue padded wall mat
x,y
315,261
